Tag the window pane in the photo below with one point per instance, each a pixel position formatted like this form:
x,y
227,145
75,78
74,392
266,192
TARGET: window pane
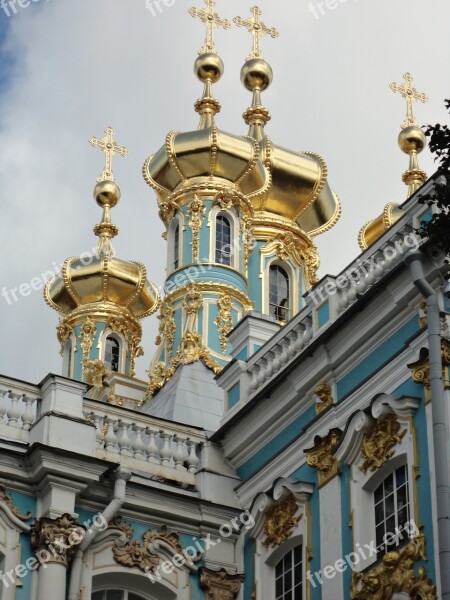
x,y
112,354
289,575
279,293
97,596
114,595
224,253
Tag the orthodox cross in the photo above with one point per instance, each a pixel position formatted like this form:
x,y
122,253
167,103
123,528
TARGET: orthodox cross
x,y
411,95
258,29
110,148
211,19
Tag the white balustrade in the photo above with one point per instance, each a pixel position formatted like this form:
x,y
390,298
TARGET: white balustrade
x,y
17,411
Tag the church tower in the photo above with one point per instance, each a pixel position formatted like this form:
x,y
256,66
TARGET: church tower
x,y
102,298
240,215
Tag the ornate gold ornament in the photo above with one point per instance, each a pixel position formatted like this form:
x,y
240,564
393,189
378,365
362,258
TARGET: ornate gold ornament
x,y
379,443
159,375
167,327
111,149
211,19
167,211
323,391
63,333
257,29
142,554
87,335
394,575
224,320
9,503
280,521
220,585
229,199
196,214
95,370
423,313
411,95
58,537
118,324
421,368
321,456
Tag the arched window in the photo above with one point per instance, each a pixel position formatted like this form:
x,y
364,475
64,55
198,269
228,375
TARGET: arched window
x,y
224,250
289,575
392,509
176,247
115,595
279,293
112,353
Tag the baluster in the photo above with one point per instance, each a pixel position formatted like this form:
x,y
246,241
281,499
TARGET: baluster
x,y
28,416
138,447
179,454
152,448
110,437
101,427
165,452
14,411
3,396
192,460
123,439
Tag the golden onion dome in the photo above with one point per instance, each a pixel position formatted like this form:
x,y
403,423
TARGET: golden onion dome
x,y
374,229
103,280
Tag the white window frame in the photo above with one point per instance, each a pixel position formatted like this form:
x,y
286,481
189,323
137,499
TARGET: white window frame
x,y
235,238
176,221
291,277
123,347
363,486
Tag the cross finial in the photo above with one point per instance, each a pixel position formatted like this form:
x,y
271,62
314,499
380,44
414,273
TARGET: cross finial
x,y
411,95
211,19
258,29
110,148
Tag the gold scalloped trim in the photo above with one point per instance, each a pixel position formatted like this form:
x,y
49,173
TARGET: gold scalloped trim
x,y
253,162
332,222
171,154
150,181
320,184
268,147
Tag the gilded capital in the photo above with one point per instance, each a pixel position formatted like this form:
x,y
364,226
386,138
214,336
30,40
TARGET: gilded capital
x,y
220,585
321,456
56,539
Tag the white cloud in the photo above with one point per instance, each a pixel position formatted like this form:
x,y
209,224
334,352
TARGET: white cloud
x,y
82,65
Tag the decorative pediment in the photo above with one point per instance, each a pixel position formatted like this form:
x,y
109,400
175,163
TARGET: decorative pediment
x,y
147,553
277,513
375,433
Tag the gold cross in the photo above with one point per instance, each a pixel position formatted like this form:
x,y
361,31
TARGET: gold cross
x,y
110,148
258,29
212,21
411,95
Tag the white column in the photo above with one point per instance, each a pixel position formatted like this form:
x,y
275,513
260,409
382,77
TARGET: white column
x,y
331,539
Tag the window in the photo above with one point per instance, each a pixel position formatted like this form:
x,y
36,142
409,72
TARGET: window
x,y
289,576
112,356
279,293
115,595
391,509
224,251
176,247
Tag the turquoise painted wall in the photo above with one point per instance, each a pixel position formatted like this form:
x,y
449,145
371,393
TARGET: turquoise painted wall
x,y
24,503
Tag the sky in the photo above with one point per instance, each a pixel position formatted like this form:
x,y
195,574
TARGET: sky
x,y
70,68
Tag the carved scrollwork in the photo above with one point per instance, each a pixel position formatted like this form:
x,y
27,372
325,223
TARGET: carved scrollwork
x,y
9,503
396,574
280,521
95,370
143,554
167,327
63,333
87,335
379,442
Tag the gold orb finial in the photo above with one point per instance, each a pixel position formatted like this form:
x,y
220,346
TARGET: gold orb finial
x,y
256,74
209,67
412,139
107,193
